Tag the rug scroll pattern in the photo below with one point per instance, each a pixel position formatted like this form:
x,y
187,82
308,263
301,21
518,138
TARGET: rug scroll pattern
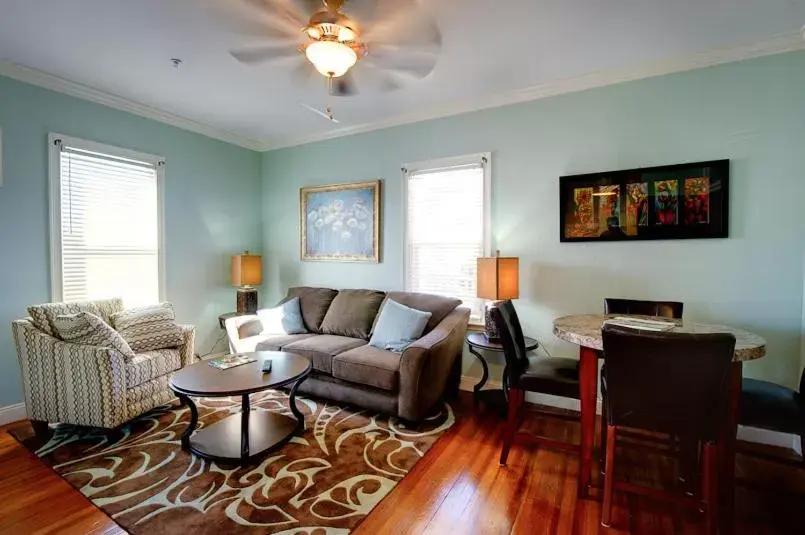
x,y
323,482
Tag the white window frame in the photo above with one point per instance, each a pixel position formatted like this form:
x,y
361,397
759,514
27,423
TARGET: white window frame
x,y
435,165
54,173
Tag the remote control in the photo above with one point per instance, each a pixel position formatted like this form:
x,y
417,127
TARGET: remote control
x,y
266,366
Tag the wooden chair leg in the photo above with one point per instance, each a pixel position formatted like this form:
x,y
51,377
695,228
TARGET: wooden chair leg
x,y
602,445
515,401
709,492
609,479
41,429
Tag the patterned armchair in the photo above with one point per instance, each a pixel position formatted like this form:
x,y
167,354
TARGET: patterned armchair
x,y
90,385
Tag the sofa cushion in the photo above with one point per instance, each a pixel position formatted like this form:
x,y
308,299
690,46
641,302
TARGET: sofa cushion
x,y
88,329
439,306
149,328
397,326
150,365
277,342
369,366
285,318
352,313
322,348
43,315
314,303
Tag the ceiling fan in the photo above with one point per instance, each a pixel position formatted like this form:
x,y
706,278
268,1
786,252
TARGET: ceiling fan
x,y
394,42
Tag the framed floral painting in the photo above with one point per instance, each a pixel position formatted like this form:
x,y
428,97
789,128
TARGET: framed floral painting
x,y
341,222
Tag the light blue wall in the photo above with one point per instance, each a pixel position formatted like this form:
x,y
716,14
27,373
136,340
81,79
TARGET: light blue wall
x,y
752,112
212,204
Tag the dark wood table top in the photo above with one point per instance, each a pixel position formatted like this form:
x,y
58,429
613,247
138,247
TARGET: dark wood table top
x,y
201,379
479,340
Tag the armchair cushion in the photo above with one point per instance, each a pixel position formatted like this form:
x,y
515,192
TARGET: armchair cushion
x,y
150,365
149,328
43,315
88,329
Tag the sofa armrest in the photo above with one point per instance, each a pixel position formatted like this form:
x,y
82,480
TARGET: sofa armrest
x,y
425,365
242,327
36,353
90,385
187,349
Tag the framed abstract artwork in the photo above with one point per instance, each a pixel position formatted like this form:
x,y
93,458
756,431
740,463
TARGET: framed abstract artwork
x,y
341,222
654,203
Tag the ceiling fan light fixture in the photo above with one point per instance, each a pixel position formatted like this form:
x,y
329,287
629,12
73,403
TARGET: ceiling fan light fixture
x,y
331,58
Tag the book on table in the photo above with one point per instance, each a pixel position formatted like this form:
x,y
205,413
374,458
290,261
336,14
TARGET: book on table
x,y
230,361
641,324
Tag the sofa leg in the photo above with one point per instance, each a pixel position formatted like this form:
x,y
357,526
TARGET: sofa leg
x,y
41,429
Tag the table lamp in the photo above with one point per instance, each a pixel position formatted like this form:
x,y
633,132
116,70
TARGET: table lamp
x,y
498,280
247,272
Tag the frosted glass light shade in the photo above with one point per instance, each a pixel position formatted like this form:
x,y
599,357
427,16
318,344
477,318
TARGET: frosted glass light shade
x,y
331,58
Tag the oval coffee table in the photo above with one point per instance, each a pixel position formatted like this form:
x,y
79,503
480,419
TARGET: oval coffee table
x,y
241,437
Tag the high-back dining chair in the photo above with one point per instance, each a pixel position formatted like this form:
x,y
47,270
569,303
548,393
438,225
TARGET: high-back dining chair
x,y
664,309
546,375
767,405
672,383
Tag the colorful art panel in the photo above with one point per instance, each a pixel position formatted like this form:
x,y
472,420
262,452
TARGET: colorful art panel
x,y
697,201
636,207
666,202
581,222
608,207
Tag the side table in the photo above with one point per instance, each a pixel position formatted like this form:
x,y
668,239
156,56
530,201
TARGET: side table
x,y
478,343
223,317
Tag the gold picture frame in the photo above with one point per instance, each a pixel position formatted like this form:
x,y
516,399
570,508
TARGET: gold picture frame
x,y
340,222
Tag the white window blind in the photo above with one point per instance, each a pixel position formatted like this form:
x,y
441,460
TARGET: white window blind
x,y
109,226
446,219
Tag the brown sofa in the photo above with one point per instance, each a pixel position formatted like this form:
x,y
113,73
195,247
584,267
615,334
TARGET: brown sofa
x,y
347,369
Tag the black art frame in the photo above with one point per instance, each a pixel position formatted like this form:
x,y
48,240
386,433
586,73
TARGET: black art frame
x,y
596,194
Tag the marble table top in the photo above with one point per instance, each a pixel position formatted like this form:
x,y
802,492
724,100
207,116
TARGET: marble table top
x,y
585,330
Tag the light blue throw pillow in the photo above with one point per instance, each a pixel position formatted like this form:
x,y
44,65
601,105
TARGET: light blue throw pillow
x,y
285,318
398,326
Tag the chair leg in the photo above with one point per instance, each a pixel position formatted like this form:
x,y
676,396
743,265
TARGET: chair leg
x,y
515,401
41,429
802,448
609,479
602,445
709,489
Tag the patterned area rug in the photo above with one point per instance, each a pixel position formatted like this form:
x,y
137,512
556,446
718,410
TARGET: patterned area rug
x,y
323,482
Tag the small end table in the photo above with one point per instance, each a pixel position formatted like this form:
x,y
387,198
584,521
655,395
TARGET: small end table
x,y
223,317
477,343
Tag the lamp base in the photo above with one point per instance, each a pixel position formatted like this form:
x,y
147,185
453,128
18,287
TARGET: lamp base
x,y
247,301
490,327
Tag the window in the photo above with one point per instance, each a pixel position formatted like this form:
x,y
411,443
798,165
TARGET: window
x,y
106,223
447,227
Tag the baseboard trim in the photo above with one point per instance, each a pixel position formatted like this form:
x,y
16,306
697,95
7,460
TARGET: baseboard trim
x,y
12,413
748,434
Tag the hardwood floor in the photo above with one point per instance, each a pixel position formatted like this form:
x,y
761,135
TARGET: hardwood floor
x,y
459,488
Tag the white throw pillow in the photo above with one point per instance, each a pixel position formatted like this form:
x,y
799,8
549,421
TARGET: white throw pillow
x,y
285,318
398,326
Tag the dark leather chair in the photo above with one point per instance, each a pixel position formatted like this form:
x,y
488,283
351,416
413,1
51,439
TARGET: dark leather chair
x,y
664,309
671,383
546,375
774,407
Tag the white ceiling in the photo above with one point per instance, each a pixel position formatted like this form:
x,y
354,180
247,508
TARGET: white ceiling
x,y
490,47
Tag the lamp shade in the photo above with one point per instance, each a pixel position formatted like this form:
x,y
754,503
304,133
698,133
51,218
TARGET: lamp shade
x,y
498,278
247,270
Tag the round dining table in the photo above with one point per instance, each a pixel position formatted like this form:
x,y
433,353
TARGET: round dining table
x,y
584,330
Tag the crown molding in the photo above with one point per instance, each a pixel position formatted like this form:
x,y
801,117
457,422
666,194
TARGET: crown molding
x,y
60,85
788,42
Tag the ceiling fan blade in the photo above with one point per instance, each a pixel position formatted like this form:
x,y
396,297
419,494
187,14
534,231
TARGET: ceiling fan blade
x,y
302,73
396,57
343,86
260,54
248,19
288,11
405,26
